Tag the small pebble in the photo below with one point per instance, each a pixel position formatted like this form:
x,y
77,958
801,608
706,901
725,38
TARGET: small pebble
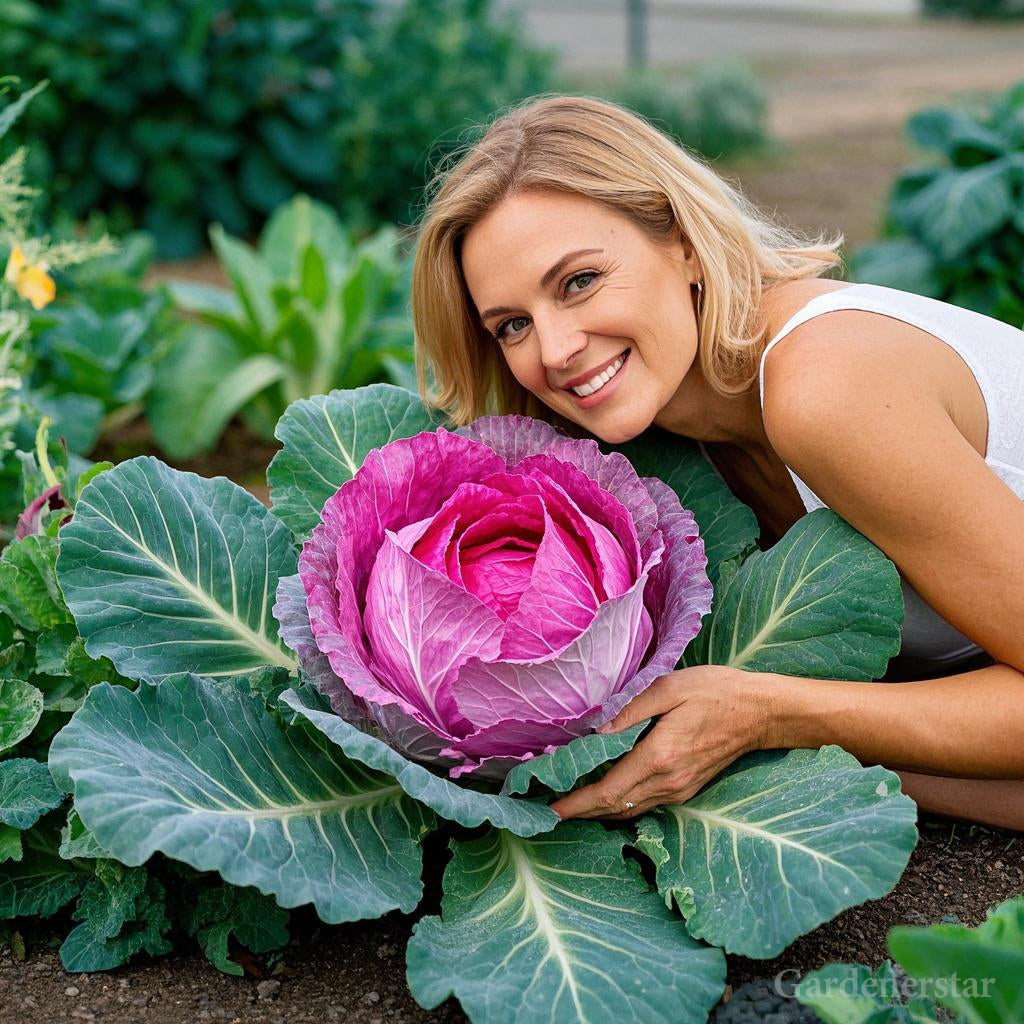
x,y
268,989
373,997
71,991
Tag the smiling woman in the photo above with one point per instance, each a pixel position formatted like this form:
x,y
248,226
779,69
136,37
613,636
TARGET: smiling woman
x,y
577,265
575,196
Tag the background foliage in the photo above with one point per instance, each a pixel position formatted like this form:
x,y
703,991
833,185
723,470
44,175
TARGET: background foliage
x,y
955,226
719,110
173,113
973,8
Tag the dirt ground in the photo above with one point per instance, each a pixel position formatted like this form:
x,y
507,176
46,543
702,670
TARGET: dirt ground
x,y
356,973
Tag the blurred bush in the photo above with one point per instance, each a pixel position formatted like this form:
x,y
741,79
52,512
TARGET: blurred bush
x,y
956,227
719,111
309,310
977,9
170,114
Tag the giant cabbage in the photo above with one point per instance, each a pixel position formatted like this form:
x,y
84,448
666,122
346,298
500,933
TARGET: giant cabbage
x,y
487,597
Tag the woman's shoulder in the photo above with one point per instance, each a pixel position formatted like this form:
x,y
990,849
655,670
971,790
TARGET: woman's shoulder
x,y
852,365
850,346
783,301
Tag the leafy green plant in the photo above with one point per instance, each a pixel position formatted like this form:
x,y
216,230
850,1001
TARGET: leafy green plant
x,y
75,333
173,578
171,114
976,974
310,309
956,227
977,9
719,111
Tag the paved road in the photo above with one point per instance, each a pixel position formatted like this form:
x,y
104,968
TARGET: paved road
x,y
589,35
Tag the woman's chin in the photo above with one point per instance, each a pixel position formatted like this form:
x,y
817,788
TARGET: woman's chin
x,y
617,430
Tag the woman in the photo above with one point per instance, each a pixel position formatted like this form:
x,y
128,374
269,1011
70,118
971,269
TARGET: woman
x,y
577,265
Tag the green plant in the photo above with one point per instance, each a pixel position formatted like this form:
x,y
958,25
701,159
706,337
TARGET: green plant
x,y
976,974
719,111
955,228
212,741
977,9
170,114
63,359
48,859
310,310
434,71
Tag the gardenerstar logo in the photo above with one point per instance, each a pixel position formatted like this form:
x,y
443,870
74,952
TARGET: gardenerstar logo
x,y
952,986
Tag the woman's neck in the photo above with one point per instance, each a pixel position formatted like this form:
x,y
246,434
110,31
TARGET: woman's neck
x,y
699,412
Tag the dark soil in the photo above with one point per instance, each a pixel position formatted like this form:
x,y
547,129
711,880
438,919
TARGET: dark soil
x,y
356,973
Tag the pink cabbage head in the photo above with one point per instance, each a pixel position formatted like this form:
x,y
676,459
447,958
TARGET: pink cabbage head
x,y
481,598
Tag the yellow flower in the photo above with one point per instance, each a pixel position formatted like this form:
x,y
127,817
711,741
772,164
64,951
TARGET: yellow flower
x,y
30,280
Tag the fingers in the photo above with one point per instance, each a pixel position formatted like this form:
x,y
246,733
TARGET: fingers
x,y
661,696
608,796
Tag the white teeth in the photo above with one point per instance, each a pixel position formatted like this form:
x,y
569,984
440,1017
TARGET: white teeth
x,y
599,380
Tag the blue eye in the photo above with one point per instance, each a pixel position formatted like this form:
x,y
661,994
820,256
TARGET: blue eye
x,y
499,332
583,280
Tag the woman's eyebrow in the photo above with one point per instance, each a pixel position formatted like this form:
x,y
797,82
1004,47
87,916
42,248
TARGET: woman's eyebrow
x,y
557,268
548,277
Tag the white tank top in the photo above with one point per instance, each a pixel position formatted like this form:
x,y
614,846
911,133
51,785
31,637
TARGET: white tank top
x,y
994,352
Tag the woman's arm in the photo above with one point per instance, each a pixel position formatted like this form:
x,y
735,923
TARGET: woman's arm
x,y
969,725
848,410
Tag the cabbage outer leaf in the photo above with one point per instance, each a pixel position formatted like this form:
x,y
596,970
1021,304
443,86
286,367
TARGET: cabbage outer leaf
x,y
26,792
559,929
202,772
823,601
325,440
811,827
563,768
166,572
727,526
21,707
456,803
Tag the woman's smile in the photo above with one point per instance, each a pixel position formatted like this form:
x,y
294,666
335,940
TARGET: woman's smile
x,y
590,389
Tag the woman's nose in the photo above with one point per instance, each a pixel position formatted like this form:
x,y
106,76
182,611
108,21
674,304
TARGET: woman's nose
x,y
560,343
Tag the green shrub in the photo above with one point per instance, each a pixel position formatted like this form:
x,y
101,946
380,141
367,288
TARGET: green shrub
x,y
719,111
173,113
976,9
956,226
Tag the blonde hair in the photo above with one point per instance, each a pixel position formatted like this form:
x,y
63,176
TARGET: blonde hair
x,y
592,148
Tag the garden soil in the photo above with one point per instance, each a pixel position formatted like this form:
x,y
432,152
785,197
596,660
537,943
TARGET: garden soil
x,y
356,973
838,122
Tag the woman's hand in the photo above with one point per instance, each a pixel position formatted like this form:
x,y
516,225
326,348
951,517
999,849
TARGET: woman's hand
x,y
708,716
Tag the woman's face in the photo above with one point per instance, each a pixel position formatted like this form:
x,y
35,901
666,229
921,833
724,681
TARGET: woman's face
x,y
577,295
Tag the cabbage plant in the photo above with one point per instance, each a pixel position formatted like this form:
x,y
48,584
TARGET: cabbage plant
x,y
516,590
465,608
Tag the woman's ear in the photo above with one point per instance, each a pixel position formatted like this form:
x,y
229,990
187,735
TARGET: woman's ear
x,y
690,260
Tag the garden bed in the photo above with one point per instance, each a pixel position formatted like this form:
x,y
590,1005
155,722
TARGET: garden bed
x,y
356,973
